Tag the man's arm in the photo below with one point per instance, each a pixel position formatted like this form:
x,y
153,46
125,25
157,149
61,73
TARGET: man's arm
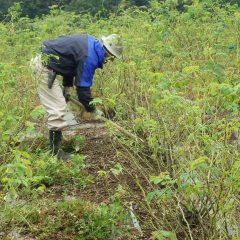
x,y
85,97
68,81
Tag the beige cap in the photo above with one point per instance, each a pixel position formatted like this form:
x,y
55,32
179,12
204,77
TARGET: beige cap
x,y
113,45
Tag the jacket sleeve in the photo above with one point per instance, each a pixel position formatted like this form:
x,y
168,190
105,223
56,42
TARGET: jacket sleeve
x,y
68,81
85,97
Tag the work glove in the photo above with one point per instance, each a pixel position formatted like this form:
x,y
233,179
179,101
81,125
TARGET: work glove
x,y
97,115
66,93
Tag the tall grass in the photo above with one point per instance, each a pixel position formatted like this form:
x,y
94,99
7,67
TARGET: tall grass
x,y
176,87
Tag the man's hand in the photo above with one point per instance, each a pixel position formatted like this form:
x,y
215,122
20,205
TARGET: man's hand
x,y
97,115
66,93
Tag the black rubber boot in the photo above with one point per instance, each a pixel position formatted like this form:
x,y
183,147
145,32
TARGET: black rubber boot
x,y
55,138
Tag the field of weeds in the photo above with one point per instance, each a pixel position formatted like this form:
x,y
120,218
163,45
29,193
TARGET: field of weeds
x,y
176,89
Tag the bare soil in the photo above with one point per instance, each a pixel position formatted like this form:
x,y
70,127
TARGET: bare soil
x,y
102,153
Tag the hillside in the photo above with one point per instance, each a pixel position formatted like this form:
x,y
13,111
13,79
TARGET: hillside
x,y
176,89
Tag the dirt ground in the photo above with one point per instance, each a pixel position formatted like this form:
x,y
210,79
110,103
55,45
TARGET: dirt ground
x,y
102,154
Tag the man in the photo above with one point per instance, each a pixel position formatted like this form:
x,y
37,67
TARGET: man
x,y
75,58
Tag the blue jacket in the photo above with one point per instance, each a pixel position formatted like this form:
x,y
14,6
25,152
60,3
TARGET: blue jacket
x,y
76,56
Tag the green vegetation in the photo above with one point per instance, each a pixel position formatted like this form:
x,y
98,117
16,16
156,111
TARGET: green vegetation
x,y
68,219
177,88
102,8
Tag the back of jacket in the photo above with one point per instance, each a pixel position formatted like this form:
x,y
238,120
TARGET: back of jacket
x,y
66,53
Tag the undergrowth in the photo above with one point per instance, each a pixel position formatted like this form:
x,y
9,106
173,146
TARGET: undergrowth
x,y
176,88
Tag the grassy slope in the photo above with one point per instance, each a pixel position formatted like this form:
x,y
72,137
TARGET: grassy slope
x,y
177,88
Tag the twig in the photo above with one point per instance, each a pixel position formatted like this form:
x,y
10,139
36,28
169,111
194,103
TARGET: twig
x,y
121,129
184,218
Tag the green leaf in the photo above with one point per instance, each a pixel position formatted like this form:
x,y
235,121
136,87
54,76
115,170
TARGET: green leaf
x,y
29,172
155,179
117,169
150,196
12,82
198,162
30,127
190,69
38,112
163,178
214,89
96,101
163,235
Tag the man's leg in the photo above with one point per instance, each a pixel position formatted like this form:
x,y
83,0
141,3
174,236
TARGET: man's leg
x,y
56,106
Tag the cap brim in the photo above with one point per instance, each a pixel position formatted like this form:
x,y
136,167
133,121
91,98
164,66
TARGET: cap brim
x,y
109,48
111,51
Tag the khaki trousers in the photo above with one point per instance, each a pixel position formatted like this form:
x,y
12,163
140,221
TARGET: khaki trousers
x,y
59,116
